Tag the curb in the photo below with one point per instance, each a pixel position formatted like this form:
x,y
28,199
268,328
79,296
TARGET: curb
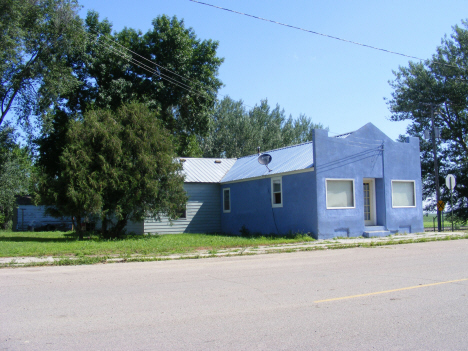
x,y
330,244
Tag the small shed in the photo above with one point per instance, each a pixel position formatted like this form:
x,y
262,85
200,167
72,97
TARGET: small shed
x,y
28,217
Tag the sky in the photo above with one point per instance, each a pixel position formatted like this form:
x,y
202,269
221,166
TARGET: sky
x,y
335,83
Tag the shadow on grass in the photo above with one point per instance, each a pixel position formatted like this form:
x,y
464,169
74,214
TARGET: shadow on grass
x,y
42,237
38,239
62,237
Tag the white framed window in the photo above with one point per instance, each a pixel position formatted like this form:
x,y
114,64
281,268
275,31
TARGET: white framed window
x,y
340,193
403,193
277,192
226,200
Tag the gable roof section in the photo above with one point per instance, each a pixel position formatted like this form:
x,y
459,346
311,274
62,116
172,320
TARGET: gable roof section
x,y
369,133
287,159
205,170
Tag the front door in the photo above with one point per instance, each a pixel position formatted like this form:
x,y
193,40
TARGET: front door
x,y
369,202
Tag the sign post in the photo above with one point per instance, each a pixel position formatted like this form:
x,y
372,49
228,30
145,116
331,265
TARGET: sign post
x,y
450,183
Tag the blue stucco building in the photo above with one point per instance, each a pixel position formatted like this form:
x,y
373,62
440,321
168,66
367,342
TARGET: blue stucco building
x,y
357,184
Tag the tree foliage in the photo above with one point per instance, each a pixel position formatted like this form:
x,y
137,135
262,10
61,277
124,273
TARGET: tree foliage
x,y
15,171
178,85
236,132
36,38
443,82
167,68
118,165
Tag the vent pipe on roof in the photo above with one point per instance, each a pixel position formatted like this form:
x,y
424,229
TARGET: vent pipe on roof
x,y
258,150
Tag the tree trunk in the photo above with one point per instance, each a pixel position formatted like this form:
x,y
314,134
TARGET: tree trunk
x,y
78,229
118,230
104,226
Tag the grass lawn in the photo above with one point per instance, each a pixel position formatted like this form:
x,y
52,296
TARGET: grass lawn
x,y
16,244
428,222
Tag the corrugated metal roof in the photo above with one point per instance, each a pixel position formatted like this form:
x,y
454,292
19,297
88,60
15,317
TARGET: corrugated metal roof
x,y
206,170
287,159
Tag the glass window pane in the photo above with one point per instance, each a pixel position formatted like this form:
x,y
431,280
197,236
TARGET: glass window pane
x,y
340,193
226,200
276,192
277,198
403,194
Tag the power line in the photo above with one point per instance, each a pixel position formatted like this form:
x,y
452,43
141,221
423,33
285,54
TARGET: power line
x,y
153,63
147,68
322,34
151,70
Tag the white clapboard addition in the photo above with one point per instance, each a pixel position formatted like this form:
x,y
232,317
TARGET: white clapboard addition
x,y
203,213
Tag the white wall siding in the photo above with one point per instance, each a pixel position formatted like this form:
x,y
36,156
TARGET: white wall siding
x,y
30,217
203,212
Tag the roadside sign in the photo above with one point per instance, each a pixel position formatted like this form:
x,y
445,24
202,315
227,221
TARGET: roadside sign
x,y
440,205
450,181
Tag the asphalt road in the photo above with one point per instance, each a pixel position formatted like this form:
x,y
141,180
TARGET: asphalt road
x,y
402,297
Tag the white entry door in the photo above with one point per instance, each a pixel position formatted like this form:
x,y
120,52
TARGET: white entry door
x,y
369,201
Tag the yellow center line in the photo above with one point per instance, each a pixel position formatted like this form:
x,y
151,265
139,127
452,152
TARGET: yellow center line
x,y
389,291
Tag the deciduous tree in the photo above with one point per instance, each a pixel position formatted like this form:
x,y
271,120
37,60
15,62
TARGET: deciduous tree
x,y
167,68
15,172
36,38
441,81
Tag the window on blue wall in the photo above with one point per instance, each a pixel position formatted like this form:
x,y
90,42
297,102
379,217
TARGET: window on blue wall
x,y
227,200
276,192
403,194
340,193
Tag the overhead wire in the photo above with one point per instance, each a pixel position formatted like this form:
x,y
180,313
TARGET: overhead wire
x,y
158,65
322,34
146,59
147,68
151,70
182,85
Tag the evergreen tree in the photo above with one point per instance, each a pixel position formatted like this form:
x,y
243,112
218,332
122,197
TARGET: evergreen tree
x,y
119,165
236,132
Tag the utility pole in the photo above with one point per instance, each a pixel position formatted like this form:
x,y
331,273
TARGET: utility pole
x,y
436,164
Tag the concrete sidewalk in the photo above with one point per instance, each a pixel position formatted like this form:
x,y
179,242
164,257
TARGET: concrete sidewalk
x,y
337,243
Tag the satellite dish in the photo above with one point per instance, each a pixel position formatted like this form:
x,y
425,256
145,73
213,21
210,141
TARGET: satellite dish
x,y
265,159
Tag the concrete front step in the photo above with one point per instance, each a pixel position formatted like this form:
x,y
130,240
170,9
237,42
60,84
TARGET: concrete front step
x,y
375,231
373,228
